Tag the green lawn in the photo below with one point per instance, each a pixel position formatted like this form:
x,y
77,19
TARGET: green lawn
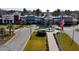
x,y
77,30
36,43
66,42
3,26
18,26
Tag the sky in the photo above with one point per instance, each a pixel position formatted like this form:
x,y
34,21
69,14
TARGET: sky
x,y
41,4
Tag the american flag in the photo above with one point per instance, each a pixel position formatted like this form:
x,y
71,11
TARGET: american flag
x,y
62,24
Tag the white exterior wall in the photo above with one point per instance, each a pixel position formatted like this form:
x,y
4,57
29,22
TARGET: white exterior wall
x,y
9,17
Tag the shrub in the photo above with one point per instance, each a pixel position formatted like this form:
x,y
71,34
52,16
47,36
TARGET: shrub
x,y
2,31
41,33
58,33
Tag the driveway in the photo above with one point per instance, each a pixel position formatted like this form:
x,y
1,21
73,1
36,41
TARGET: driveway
x,y
20,38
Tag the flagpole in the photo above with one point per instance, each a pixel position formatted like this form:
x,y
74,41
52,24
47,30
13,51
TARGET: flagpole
x,y
61,24
61,29
73,32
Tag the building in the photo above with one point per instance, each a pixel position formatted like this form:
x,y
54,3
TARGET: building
x,y
1,19
28,19
17,17
69,20
11,18
46,20
7,18
39,20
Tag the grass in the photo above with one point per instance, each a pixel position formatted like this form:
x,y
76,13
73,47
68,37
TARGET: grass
x,y
18,26
77,30
36,43
14,26
3,26
66,42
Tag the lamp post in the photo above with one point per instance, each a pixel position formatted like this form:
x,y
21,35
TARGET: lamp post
x,y
73,30
30,31
10,27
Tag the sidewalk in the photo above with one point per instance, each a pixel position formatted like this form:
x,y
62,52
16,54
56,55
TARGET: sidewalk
x,y
51,41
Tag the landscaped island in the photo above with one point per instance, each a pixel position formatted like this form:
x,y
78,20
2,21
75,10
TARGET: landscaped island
x,y
37,43
77,30
5,35
7,32
66,43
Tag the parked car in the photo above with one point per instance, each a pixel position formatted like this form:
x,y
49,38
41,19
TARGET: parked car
x,y
56,27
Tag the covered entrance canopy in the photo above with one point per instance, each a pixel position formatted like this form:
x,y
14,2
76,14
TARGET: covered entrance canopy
x,y
48,18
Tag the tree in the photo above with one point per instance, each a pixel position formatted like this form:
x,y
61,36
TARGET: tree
x,y
2,31
24,12
42,14
38,12
22,22
11,11
67,12
56,12
10,27
33,12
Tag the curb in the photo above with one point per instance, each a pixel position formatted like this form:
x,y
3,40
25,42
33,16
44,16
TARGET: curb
x,y
22,49
8,41
50,47
25,44
47,43
58,44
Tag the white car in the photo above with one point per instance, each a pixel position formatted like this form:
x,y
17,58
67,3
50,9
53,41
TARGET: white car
x,y
56,27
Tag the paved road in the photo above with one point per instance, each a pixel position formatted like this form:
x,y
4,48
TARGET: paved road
x,y
69,31
51,41
20,38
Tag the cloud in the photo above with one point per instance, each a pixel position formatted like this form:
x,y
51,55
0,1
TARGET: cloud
x,y
42,4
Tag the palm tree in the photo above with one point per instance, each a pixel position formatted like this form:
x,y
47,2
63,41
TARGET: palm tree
x,y
10,27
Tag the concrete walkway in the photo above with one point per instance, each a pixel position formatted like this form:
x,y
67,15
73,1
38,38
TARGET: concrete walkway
x,y
51,41
18,41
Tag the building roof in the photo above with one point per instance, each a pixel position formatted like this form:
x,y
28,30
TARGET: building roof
x,y
47,15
